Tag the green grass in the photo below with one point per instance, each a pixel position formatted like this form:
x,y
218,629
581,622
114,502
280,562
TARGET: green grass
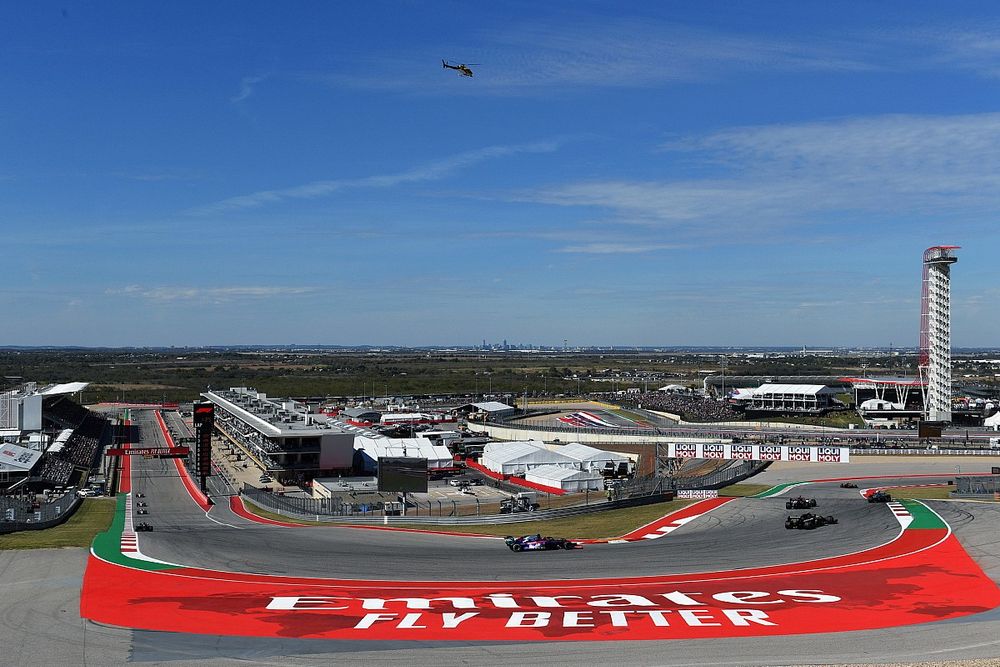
x,y
742,490
93,517
602,524
612,523
923,493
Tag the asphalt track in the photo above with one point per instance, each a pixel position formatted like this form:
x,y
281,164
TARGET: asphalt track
x,y
39,593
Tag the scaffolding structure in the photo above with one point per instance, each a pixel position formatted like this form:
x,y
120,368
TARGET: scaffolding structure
x,y
935,332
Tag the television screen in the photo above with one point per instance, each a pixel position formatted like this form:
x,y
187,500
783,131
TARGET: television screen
x,y
398,474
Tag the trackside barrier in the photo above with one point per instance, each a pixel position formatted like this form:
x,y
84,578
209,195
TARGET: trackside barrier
x,y
701,431
279,505
737,472
895,451
18,515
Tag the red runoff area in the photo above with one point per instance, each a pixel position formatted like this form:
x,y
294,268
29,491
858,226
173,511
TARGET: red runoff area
x,y
924,575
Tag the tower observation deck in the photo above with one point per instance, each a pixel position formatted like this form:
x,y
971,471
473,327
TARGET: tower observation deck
x,y
935,331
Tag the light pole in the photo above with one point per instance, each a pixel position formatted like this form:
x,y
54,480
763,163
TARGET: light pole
x,y
724,362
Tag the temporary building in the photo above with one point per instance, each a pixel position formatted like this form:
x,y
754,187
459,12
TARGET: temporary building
x,y
517,458
565,479
879,404
493,409
993,421
591,458
371,449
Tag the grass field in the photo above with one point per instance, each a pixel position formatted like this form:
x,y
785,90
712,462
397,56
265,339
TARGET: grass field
x,y
742,490
922,493
602,524
93,517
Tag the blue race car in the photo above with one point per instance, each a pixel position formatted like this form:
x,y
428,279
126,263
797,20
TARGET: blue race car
x,y
537,542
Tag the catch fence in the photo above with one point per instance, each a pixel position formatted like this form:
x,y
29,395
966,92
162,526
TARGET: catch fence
x,y
28,514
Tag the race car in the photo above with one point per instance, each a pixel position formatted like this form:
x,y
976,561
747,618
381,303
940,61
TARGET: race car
x,y
142,511
808,521
143,527
879,497
537,542
848,485
800,503
140,504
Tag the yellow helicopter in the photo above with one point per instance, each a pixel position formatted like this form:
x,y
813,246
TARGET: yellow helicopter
x,y
463,69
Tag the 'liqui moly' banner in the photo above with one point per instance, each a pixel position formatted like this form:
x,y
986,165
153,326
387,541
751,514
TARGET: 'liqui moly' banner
x,y
747,452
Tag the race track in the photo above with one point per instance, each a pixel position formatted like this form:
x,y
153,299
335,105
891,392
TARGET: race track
x,y
744,533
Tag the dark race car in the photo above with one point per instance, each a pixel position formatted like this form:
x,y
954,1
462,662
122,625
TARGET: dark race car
x,y
800,503
848,485
142,527
879,497
809,521
538,543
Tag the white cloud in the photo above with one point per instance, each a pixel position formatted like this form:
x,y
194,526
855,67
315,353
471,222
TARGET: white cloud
x,y
622,53
247,86
214,294
430,171
766,178
603,248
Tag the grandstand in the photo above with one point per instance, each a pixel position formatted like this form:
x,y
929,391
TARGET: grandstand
x,y
789,398
689,407
66,439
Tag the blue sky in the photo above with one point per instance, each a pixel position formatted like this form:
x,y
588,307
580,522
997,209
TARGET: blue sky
x,y
663,173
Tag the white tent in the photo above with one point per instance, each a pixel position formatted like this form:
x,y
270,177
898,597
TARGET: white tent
x,y
993,421
566,479
591,458
516,458
879,404
371,449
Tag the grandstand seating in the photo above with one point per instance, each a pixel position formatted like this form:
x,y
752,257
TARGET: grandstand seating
x,y
84,446
690,407
66,413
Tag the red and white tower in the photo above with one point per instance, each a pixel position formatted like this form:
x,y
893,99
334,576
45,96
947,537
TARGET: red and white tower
x,y
935,332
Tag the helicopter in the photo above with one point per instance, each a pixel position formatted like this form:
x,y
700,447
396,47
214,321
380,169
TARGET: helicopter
x,y
462,69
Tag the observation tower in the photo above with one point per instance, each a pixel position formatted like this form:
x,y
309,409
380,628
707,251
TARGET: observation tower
x,y
935,332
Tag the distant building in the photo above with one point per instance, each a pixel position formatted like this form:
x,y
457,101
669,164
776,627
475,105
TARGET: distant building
x,y
492,409
784,398
281,436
